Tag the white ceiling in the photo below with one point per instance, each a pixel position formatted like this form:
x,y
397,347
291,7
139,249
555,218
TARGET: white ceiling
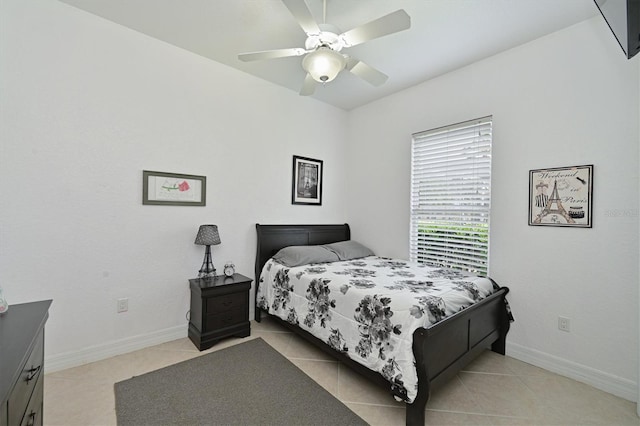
x,y
444,35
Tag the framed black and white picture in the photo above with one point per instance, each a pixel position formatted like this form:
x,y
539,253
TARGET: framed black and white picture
x,y
307,181
561,196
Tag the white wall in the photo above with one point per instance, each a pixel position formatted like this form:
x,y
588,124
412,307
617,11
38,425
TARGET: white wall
x,y
85,106
570,98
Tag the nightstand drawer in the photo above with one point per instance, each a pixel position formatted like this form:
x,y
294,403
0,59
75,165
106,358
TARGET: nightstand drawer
x,y
226,319
33,415
23,389
227,302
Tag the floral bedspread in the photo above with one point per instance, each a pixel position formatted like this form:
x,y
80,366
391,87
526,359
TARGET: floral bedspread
x,y
369,308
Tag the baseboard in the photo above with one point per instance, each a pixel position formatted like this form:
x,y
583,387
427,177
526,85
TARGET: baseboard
x,y
610,383
113,348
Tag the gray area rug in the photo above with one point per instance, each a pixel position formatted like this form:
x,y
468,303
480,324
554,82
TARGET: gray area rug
x,y
246,384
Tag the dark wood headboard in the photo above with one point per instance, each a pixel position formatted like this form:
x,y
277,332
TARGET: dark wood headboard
x,y
272,238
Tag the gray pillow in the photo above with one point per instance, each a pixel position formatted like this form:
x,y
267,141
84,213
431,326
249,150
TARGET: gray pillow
x,y
301,255
347,250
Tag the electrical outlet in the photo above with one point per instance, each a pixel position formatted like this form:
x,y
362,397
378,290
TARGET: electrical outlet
x,y
564,324
123,305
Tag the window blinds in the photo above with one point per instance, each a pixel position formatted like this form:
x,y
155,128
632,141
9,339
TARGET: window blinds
x,y
451,196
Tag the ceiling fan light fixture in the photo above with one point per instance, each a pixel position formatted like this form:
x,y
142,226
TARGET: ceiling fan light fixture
x,y
323,64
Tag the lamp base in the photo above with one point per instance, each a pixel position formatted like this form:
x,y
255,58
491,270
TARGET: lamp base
x,y
206,274
207,270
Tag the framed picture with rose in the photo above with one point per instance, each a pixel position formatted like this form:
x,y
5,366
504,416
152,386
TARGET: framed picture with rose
x,y
173,189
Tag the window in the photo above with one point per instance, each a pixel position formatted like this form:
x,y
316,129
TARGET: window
x,y
451,196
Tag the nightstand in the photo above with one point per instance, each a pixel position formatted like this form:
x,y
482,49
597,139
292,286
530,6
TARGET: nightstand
x,y
219,309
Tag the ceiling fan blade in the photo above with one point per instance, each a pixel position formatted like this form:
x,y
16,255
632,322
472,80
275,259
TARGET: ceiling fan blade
x,y
308,87
366,72
271,54
301,12
388,24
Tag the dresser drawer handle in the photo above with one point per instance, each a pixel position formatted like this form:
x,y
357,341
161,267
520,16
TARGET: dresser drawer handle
x,y
32,419
33,372
227,303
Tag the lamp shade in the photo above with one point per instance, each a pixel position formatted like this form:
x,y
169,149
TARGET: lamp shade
x,y
323,64
208,235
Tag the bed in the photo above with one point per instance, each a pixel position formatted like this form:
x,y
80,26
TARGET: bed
x,y
436,352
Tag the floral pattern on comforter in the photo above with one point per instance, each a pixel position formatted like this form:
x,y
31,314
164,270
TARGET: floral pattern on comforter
x,y
369,308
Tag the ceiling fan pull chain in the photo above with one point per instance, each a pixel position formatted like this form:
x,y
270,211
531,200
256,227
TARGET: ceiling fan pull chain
x,y
324,11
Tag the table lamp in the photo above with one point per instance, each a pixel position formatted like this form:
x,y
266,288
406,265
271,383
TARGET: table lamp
x,y
207,236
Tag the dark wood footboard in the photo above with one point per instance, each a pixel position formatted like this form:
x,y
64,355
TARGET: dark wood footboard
x,y
440,351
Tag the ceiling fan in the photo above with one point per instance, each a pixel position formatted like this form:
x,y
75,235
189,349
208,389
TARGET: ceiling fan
x,y
322,58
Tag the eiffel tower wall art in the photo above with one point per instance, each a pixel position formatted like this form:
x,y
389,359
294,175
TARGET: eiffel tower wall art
x,y
561,196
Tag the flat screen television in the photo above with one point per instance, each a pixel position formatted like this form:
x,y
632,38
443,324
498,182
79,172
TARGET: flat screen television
x,y
623,17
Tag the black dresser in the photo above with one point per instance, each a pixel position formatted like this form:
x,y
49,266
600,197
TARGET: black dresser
x,y
22,363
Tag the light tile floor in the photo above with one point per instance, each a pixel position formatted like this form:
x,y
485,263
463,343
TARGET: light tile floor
x,y
492,390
